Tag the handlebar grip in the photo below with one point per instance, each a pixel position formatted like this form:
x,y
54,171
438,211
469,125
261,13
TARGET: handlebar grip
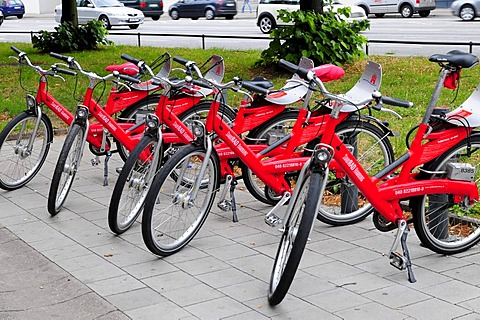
x,y
200,83
397,102
17,51
64,71
255,88
180,60
130,79
293,68
61,57
131,59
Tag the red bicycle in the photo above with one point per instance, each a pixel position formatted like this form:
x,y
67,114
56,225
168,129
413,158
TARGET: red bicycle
x,y
25,140
437,178
182,193
126,134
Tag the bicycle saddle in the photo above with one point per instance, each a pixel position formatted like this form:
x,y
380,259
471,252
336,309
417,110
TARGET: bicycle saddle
x,y
457,58
260,82
126,68
328,72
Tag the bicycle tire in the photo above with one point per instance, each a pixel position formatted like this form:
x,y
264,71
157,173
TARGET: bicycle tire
x,y
167,201
16,167
443,228
128,115
67,166
200,112
130,190
342,203
279,125
299,223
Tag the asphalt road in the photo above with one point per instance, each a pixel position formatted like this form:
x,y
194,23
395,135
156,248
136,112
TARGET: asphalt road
x,y
440,26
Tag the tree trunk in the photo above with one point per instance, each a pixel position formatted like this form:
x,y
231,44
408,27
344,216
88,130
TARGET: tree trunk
x,y
69,12
311,5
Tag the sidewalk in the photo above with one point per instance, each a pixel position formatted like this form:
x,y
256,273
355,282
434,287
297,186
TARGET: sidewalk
x,y
71,267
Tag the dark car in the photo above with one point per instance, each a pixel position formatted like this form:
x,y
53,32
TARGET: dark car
x,y
150,8
203,8
12,8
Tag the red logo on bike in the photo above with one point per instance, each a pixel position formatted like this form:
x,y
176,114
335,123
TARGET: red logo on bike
x,y
373,79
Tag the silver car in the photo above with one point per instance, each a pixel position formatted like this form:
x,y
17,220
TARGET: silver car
x,y
109,12
466,9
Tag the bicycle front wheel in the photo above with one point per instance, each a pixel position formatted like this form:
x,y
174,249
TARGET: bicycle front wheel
x,y
342,203
20,162
132,185
66,169
298,224
443,224
174,211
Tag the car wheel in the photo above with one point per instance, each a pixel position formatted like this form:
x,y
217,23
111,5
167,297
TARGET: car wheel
x,y
365,9
155,18
379,15
424,13
105,22
19,16
229,17
133,26
174,15
209,14
467,13
194,18
406,11
266,24
1,20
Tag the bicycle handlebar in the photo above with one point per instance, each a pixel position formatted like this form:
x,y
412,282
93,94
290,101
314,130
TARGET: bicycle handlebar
x,y
58,56
131,59
17,51
65,71
293,68
128,78
255,88
396,102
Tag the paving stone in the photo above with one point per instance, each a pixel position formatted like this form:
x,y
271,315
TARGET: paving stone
x,y
246,291
434,309
223,278
332,270
202,266
396,296
336,300
135,299
198,293
453,291
150,268
170,281
363,283
162,311
370,311
465,274
116,285
217,308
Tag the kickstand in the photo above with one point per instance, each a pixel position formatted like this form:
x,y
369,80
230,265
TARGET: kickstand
x,y
233,184
105,169
406,254
402,262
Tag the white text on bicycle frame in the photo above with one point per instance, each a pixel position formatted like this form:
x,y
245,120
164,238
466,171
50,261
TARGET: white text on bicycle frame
x,y
353,167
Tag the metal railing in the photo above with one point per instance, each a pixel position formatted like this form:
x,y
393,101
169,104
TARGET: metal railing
x,y
203,38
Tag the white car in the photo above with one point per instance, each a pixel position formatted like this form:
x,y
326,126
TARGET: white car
x,y
109,12
267,12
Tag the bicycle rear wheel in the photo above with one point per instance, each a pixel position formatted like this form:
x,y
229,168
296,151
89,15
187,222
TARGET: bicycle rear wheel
x,y
132,185
442,224
171,217
299,223
342,203
66,168
18,163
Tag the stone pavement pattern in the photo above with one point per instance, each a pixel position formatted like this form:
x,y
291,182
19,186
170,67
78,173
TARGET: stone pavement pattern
x,y
71,267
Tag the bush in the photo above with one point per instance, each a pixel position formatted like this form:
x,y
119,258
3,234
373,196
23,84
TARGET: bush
x,y
324,38
67,38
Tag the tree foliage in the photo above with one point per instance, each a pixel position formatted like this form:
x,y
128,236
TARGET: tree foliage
x,y
324,38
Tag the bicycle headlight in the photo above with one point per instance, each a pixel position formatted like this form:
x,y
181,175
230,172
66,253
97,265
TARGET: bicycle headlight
x,y
198,130
322,155
82,113
152,121
31,102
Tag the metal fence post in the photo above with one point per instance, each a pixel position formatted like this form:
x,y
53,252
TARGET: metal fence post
x,y
138,39
203,41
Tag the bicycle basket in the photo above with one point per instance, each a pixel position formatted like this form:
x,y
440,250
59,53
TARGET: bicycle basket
x,y
163,64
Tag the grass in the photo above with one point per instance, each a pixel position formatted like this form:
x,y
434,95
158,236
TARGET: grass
x,y
411,78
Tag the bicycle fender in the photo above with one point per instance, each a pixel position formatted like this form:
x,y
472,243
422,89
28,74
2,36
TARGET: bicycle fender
x,y
379,124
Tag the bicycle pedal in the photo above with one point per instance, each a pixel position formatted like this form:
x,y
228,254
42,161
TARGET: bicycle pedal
x,y
225,205
95,162
272,220
398,261
118,170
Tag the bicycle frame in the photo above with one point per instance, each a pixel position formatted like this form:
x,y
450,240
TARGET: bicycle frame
x,y
384,191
